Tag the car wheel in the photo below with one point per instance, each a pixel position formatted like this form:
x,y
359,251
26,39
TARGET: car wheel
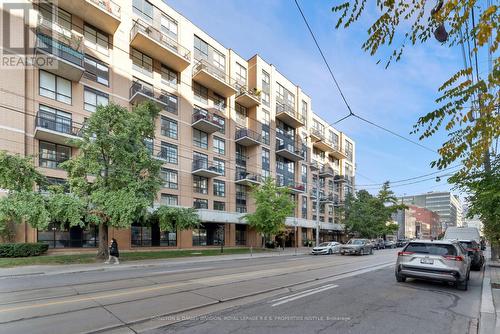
x,y
400,278
330,252
463,285
371,251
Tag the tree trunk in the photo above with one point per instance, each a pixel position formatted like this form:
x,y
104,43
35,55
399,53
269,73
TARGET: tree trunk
x,y
102,252
494,252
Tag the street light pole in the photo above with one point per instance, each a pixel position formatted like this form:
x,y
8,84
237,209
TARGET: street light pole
x,y
317,210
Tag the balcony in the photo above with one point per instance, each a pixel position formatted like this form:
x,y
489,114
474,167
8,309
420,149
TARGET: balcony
x,y
61,52
140,92
320,142
214,78
157,45
340,179
59,130
247,179
294,187
103,14
288,115
248,98
288,151
314,165
205,121
337,152
326,172
202,167
247,137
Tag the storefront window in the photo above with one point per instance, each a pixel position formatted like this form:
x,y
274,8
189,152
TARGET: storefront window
x,y
63,236
151,236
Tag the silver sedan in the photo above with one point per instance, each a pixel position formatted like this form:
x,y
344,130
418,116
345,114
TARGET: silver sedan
x,y
326,248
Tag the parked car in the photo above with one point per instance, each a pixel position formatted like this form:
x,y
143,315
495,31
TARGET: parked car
x,y
379,244
474,251
462,233
326,248
438,260
389,244
357,247
401,242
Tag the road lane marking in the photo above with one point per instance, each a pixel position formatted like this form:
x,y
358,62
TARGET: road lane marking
x,y
299,293
307,293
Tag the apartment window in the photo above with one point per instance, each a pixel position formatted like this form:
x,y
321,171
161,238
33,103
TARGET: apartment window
x,y
54,119
93,98
169,26
265,98
200,48
96,40
200,138
200,184
51,155
96,70
348,150
55,87
241,74
143,9
169,77
169,152
221,121
266,137
285,96
219,61
148,143
172,102
169,177
199,203
219,145
60,18
241,115
334,139
141,63
266,163
200,93
304,174
266,119
241,235
219,206
219,102
169,200
220,165
304,110
168,127
219,188
304,207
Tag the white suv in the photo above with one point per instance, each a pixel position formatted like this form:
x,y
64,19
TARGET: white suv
x,y
440,260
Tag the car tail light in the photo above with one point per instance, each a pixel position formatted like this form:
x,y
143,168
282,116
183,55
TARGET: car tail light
x,y
453,257
405,253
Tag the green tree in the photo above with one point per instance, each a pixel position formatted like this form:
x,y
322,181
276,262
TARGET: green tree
x,y
273,205
172,218
115,175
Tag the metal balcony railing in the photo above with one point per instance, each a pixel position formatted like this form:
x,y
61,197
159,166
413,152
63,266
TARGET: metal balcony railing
x,y
243,89
203,65
286,108
61,50
108,6
207,165
59,124
240,133
160,37
150,91
243,175
200,114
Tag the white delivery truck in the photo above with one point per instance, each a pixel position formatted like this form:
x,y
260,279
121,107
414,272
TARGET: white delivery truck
x,y
462,233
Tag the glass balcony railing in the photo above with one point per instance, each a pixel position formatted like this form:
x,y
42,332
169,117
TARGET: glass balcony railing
x,y
243,175
109,6
158,95
203,65
290,110
59,124
204,115
161,38
58,49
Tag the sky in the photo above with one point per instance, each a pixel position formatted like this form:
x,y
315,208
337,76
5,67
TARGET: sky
x,y
393,97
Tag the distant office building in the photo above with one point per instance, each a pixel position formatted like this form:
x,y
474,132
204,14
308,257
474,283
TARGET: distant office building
x,y
445,204
418,223
475,221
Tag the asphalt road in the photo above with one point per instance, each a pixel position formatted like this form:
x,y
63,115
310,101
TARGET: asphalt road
x,y
345,294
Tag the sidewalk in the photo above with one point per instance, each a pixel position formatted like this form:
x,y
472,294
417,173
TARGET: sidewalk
x,y
37,270
489,321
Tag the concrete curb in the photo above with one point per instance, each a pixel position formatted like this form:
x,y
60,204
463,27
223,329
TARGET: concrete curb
x,y
488,319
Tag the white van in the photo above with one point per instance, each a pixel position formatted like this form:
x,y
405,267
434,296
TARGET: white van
x,y
462,233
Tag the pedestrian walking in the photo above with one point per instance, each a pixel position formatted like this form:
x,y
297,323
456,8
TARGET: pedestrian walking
x,y
114,254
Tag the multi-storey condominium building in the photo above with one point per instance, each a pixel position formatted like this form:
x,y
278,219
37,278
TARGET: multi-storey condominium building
x,y
226,121
445,204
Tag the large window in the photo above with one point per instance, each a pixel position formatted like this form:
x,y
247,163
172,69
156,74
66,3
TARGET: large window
x,y
219,145
96,40
96,70
61,236
200,48
169,200
53,119
266,164
240,115
59,19
220,166
266,137
169,152
143,9
55,87
200,138
141,63
208,235
200,184
168,127
151,236
241,74
219,206
199,203
349,150
169,177
219,188
169,26
200,93
51,155
169,77
241,235
92,98
172,102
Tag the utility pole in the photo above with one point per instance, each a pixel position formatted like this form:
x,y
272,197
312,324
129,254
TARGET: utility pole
x,y
317,210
